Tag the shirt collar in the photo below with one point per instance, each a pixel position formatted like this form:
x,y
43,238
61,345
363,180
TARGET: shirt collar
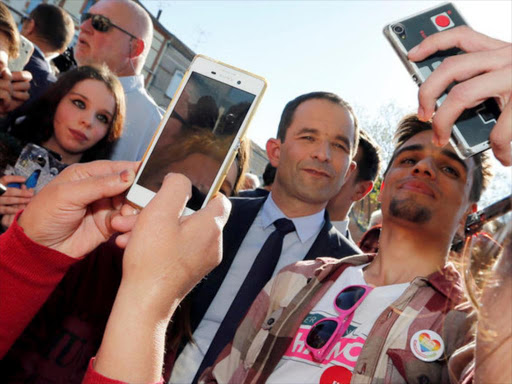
x,y
341,226
46,59
448,281
306,226
131,83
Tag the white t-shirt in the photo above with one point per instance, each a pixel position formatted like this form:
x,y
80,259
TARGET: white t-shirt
x,y
297,366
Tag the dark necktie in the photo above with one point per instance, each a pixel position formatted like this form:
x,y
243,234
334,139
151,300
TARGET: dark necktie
x,y
259,274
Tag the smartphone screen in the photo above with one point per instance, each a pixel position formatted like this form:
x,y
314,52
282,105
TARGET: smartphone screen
x,y
198,135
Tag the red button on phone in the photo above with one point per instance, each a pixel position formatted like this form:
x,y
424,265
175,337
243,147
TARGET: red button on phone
x,y
443,21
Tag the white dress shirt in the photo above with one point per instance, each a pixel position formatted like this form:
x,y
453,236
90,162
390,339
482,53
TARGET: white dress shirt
x,y
141,121
342,227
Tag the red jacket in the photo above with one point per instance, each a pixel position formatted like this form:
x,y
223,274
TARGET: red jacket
x,y
29,273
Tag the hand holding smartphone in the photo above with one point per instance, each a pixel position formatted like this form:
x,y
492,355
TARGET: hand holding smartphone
x,y
491,60
200,132
470,133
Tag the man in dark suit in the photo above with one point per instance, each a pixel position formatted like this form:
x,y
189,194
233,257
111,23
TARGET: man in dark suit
x,y
317,138
50,29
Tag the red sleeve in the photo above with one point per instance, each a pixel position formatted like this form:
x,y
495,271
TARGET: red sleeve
x,y
93,377
29,272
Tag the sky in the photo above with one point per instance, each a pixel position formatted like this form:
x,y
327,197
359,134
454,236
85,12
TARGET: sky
x,y
304,46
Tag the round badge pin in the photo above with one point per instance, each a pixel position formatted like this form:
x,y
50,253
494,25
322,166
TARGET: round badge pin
x,y
427,345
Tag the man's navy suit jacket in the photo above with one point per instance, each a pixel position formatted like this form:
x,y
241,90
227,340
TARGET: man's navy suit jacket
x,y
329,242
42,78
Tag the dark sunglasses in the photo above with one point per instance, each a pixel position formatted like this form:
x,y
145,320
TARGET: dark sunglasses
x,y
323,334
102,23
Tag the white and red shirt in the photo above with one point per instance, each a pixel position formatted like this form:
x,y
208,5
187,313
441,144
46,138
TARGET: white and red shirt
x,y
297,364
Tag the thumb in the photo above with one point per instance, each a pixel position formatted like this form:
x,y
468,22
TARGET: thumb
x,y
217,209
86,191
170,200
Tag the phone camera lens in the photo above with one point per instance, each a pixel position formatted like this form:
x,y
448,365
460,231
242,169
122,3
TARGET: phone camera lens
x,y
398,29
239,82
41,161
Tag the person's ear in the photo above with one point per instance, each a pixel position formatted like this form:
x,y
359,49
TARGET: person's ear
x,y
28,27
274,151
137,48
351,168
380,192
362,189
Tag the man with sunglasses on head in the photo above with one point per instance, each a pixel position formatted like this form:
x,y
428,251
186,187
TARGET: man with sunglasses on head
x,y
387,317
119,34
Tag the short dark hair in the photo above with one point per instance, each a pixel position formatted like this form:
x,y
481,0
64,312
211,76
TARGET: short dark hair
x,y
53,25
410,126
37,127
9,30
368,166
269,175
289,111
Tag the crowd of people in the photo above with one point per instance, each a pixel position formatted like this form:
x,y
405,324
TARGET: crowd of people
x,y
95,291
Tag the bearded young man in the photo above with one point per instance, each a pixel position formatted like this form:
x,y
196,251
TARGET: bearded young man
x,y
388,317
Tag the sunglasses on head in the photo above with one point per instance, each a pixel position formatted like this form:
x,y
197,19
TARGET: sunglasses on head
x,y
323,334
102,23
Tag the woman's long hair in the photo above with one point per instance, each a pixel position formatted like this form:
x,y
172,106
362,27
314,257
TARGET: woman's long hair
x,y
9,31
37,127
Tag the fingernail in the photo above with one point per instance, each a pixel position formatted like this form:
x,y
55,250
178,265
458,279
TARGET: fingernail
x,y
414,50
440,142
421,113
127,175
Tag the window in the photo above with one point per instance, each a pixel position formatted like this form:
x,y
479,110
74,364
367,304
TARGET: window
x,y
175,82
